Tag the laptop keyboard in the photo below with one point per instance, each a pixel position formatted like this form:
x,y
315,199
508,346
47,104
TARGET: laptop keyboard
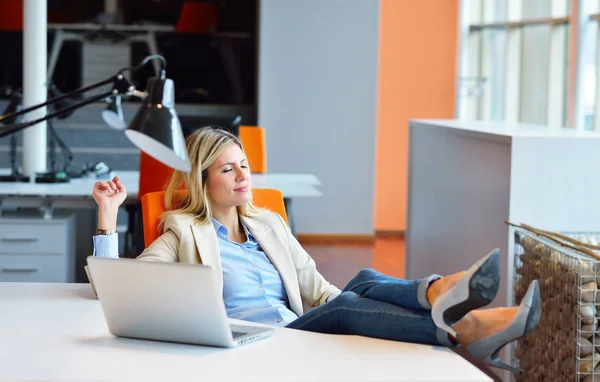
x,y
238,334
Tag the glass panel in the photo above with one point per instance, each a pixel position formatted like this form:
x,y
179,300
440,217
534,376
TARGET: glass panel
x,y
557,76
567,47
589,48
515,10
560,8
536,9
534,74
470,85
590,7
472,9
493,69
494,11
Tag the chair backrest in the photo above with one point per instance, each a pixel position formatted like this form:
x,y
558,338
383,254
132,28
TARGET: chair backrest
x,y
11,15
254,140
153,175
198,17
153,206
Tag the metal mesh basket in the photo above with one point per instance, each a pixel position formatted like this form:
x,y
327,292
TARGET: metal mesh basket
x,y
566,345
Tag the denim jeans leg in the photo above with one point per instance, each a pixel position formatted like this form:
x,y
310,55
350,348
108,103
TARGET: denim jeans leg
x,y
350,313
409,294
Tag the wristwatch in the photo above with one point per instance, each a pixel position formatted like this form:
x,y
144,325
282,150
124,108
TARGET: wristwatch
x,y
105,231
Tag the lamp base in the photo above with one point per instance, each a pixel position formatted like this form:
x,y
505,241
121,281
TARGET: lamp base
x,y
53,177
14,177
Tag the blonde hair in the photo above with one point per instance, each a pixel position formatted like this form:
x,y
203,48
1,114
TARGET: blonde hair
x,y
204,147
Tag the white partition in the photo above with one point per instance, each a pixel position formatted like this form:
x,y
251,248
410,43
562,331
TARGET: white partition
x,y
317,99
467,178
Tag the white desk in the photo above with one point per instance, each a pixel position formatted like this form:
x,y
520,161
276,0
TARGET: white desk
x,y
57,332
291,185
78,194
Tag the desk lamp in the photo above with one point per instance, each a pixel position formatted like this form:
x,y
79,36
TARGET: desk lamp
x,y
155,129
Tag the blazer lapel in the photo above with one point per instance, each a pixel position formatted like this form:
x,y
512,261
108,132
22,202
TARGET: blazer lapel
x,y
277,251
205,238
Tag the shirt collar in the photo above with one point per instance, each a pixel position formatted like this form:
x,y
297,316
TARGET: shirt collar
x,y
223,232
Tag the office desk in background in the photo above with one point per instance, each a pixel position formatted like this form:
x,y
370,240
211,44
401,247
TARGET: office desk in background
x,y
78,192
57,332
147,33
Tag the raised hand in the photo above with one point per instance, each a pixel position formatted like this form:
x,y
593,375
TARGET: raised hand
x,y
109,196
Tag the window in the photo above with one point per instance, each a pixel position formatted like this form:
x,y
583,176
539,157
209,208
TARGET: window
x,y
590,109
516,62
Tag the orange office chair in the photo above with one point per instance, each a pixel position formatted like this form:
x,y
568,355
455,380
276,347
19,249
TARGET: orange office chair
x,y
255,145
154,175
153,206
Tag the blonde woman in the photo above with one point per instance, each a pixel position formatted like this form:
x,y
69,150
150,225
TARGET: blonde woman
x,y
267,275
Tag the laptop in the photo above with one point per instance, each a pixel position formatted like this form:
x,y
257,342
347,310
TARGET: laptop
x,y
170,302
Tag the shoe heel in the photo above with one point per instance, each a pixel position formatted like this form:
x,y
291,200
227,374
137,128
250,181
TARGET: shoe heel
x,y
526,320
440,320
494,361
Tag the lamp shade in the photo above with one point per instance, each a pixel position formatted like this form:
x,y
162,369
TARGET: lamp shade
x,y
156,130
113,114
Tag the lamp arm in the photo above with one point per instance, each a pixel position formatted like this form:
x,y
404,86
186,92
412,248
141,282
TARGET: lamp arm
x,y
146,60
13,128
119,81
60,98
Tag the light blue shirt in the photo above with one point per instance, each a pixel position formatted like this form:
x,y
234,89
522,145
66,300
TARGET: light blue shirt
x,y
252,287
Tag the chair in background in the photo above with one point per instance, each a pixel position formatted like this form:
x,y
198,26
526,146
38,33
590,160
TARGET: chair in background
x,y
153,206
198,17
254,140
255,145
11,15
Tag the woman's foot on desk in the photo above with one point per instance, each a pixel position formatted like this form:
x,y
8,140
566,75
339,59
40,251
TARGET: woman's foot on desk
x,y
453,296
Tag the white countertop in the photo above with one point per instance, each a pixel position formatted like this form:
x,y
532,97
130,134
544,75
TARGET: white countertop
x,y
507,129
57,332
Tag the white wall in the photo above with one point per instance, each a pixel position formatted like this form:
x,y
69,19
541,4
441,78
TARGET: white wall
x,y
317,101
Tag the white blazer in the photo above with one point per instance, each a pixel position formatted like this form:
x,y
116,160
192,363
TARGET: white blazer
x,y
185,240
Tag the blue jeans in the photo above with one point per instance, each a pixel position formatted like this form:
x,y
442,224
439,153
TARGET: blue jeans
x,y
379,306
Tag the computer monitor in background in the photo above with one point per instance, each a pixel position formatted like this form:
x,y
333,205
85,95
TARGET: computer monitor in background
x,y
191,123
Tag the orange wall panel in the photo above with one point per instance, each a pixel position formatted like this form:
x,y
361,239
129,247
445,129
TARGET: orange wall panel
x,y
418,47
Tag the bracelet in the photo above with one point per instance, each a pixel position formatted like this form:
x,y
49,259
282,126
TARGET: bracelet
x,y
105,231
